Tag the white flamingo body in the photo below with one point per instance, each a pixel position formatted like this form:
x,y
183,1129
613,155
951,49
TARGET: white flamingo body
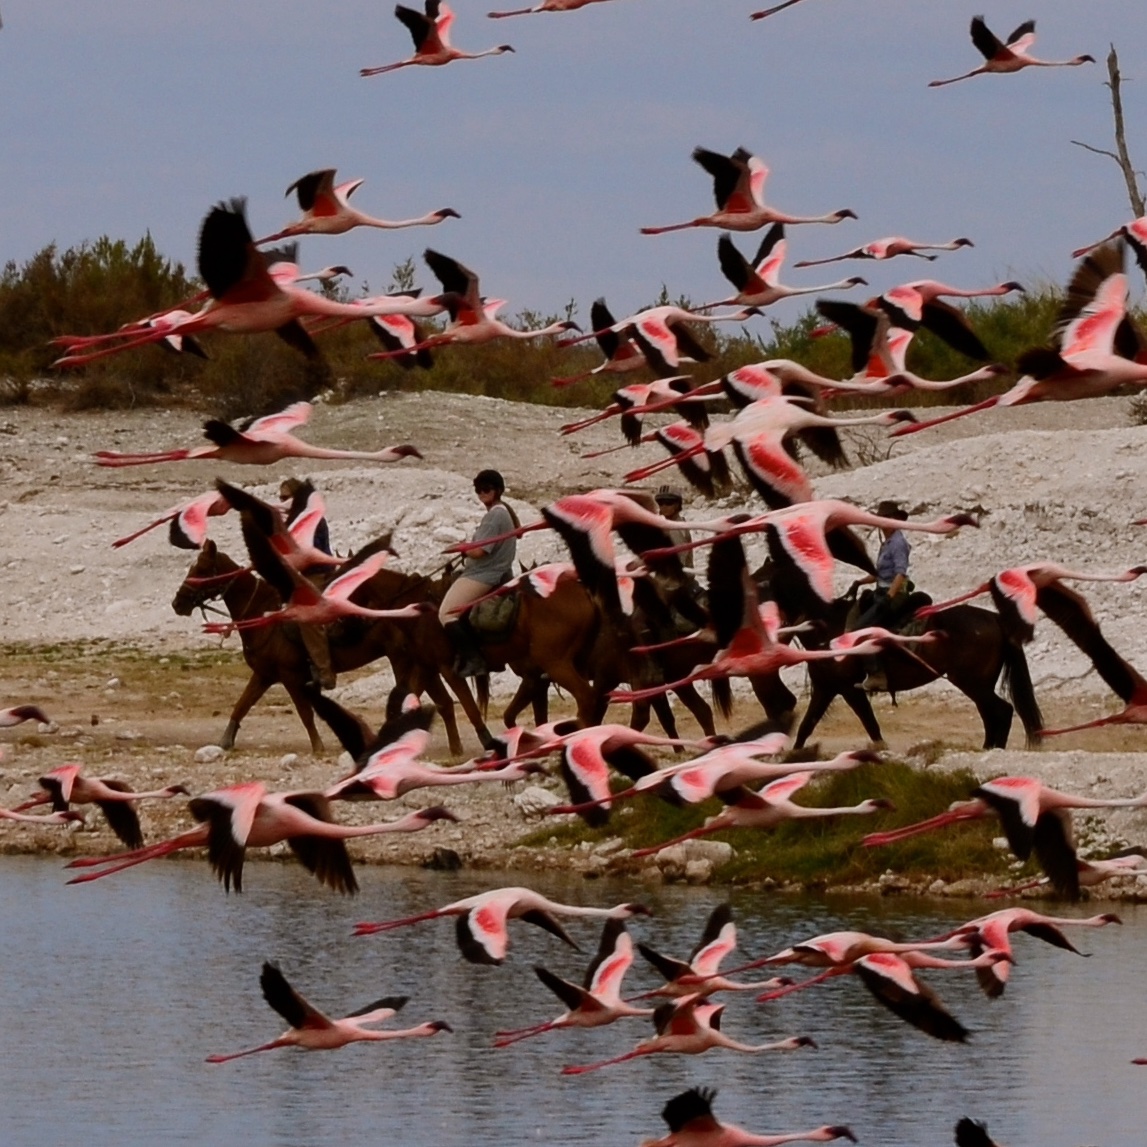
x,y
431,35
1005,58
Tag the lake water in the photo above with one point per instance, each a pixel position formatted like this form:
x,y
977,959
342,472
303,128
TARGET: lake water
x,y
112,994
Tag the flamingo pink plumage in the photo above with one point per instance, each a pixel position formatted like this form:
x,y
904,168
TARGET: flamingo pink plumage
x,y
431,34
187,522
481,920
246,815
258,442
738,187
598,1001
890,248
327,210
690,1026
1005,57
311,1030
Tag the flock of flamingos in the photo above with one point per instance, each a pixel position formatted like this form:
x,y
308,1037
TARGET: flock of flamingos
x,y
1094,349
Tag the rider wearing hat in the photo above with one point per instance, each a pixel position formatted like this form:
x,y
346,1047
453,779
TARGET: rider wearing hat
x,y
484,569
669,504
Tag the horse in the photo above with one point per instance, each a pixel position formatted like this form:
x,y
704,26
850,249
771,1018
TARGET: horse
x,y
275,653
970,648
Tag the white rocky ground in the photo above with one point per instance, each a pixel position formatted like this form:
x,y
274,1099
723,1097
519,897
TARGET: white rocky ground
x,y
1053,482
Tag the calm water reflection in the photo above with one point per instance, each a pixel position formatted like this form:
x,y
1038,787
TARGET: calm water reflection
x,y
111,996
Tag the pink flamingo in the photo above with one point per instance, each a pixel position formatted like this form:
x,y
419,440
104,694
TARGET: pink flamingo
x,y
472,318
1005,57
246,298
758,283
545,6
481,920
1097,350
738,186
690,1115
622,355
327,211
992,933
242,816
599,1001
1134,232
431,35
798,537
311,1030
758,434
18,714
64,785
832,949
890,248
1035,818
767,809
888,976
1127,862
690,1026
49,818
187,522
309,606
261,442
700,974
628,400
1019,592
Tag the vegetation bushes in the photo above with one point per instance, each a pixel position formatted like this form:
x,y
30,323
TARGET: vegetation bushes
x,y
98,286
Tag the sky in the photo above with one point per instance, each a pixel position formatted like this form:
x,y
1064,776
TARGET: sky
x,y
133,116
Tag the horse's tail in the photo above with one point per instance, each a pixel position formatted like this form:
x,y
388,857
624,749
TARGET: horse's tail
x,y
482,693
722,695
1017,684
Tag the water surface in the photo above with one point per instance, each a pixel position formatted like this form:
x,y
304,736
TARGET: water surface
x,y
112,994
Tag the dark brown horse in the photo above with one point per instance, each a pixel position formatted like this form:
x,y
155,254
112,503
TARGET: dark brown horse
x,y
275,654
970,649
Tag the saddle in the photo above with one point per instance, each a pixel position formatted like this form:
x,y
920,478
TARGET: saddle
x,y
902,620
494,620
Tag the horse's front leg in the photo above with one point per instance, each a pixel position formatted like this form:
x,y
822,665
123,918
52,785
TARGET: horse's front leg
x,y
254,690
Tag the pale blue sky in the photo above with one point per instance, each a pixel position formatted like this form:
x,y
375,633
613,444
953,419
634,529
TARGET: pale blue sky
x,y
134,115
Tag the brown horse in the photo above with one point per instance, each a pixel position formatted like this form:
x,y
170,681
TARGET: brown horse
x,y
275,654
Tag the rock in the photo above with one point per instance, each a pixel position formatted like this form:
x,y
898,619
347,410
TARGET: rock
x,y
208,754
608,847
443,860
288,760
534,802
113,683
345,761
47,727
715,852
698,871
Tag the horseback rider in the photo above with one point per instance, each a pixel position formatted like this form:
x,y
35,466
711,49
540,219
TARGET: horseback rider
x,y
892,588
293,494
485,569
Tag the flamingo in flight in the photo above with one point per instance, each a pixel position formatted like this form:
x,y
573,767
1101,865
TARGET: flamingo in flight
x,y
586,523
806,538
890,248
311,1030
1005,57
595,1003
758,434
18,714
545,6
758,283
187,522
472,318
257,442
767,809
65,786
481,920
1096,346
431,35
246,298
386,762
1128,862
690,1026
622,354
1134,232
662,334
889,977
738,187
246,815
992,933
700,974
1035,818
327,211
627,400
692,1123
50,818
307,605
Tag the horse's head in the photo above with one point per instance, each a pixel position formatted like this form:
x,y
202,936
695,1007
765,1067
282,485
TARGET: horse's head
x,y
197,587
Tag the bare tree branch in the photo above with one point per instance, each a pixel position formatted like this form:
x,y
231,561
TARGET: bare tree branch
x,y
1097,150
1124,160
